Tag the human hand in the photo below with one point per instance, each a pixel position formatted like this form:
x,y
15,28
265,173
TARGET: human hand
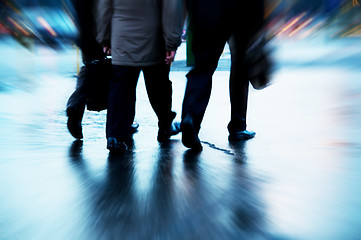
x,y
107,50
169,56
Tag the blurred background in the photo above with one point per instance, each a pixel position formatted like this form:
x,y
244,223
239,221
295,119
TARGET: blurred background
x,y
305,18
32,22
49,25
36,25
51,22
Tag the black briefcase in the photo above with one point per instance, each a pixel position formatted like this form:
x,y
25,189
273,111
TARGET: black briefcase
x,y
99,74
260,64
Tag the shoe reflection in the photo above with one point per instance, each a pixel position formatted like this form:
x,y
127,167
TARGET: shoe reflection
x,y
75,150
191,156
238,148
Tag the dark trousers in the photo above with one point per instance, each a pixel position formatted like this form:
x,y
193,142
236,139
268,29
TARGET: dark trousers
x,y
122,97
78,98
213,23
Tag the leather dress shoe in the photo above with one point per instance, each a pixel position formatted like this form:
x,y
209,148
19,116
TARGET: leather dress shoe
x,y
74,122
189,134
165,134
116,146
241,135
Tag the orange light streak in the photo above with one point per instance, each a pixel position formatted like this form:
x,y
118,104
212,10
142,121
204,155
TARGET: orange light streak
x,y
17,25
303,25
292,23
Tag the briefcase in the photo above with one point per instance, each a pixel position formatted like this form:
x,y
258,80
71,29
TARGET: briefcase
x,y
260,64
99,74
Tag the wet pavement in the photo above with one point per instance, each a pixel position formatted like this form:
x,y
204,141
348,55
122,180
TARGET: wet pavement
x,y
297,179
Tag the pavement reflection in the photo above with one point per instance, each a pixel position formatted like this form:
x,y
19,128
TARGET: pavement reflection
x,y
182,201
297,179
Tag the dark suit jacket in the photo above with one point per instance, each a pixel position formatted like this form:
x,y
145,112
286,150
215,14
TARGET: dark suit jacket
x,y
86,24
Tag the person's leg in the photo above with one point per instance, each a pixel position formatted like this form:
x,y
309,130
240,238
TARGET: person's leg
x,y
159,89
238,89
239,82
199,79
76,105
238,85
121,104
209,35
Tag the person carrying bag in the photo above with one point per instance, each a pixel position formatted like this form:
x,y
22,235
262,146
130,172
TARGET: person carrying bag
x,y
93,79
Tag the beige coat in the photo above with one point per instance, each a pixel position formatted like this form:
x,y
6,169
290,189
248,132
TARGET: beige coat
x,y
140,31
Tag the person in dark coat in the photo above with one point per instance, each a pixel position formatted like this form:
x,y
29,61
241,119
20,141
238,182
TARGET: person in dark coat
x,y
213,23
142,35
92,55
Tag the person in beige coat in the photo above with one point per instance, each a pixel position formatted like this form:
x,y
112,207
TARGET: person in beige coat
x,y
141,35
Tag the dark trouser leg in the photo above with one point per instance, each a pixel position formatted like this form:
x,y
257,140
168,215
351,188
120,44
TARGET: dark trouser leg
x,y
238,86
159,89
197,94
210,34
121,105
77,100
207,50
245,24
76,105
209,24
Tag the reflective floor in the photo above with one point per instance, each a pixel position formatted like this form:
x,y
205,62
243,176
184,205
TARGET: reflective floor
x,y
297,179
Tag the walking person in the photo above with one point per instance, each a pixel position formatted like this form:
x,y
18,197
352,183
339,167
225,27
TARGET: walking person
x,y
94,60
213,23
142,35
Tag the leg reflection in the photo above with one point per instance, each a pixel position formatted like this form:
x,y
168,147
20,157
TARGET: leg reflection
x,y
75,150
238,148
113,201
135,197
162,193
191,157
248,209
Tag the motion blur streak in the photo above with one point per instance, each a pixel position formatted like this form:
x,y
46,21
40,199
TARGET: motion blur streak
x,y
46,26
303,25
17,25
292,23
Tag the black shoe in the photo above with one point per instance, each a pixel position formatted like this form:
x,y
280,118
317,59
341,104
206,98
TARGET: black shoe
x,y
241,135
116,146
165,134
189,134
74,122
134,127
